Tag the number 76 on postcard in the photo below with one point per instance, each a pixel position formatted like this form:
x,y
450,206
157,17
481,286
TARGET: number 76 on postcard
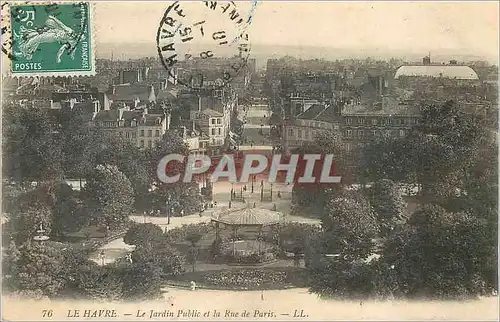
x,y
53,39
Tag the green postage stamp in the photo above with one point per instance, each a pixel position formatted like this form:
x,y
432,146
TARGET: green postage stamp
x,y
52,39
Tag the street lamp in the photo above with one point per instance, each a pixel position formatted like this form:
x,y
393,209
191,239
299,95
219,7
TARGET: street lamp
x,y
253,180
271,192
168,210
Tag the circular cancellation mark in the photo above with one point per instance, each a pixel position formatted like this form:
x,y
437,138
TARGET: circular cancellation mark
x,y
191,33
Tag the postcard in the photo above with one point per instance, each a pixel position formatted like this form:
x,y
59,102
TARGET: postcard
x,y
249,160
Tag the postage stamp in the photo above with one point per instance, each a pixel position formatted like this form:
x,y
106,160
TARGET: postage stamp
x,y
191,37
52,39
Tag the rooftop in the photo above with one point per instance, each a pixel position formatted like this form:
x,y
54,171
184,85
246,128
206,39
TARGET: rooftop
x,y
211,113
130,92
247,217
445,71
390,106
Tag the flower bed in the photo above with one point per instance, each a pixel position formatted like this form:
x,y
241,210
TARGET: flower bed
x,y
247,279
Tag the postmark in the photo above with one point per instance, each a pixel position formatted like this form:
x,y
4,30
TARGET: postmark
x,y
50,39
195,37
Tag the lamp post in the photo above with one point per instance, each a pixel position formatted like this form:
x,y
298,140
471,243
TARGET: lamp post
x,y
271,192
253,180
168,209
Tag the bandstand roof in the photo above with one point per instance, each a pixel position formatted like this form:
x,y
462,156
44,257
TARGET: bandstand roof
x,y
247,217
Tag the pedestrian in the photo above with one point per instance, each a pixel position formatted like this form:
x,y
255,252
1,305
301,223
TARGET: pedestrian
x,y
193,286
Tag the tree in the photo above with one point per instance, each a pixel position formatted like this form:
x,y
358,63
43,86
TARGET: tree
x,y
344,279
440,254
68,211
314,196
108,196
132,162
100,283
144,235
350,225
179,197
387,201
294,236
10,267
26,222
163,256
80,142
141,281
32,149
40,269
435,155
193,235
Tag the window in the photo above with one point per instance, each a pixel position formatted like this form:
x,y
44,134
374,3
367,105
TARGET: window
x,y
219,121
212,121
401,133
361,120
157,134
213,131
219,131
374,121
361,133
142,143
150,143
374,132
134,135
348,146
142,135
348,120
403,121
150,133
290,132
348,133
299,134
389,121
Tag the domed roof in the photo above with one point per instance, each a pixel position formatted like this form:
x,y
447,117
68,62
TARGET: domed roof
x,y
445,71
247,216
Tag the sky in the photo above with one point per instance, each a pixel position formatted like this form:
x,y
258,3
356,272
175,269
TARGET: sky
x,y
409,26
